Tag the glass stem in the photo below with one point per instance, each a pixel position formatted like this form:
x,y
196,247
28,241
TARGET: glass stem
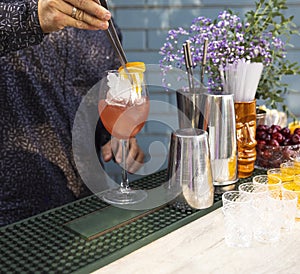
x,y
125,182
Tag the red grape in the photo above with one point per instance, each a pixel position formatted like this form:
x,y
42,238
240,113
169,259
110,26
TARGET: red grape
x,y
276,127
296,139
261,142
297,131
278,137
276,145
261,135
273,143
285,131
287,142
261,127
268,137
270,130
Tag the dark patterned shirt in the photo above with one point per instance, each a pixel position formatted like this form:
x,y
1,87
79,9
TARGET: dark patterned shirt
x,y
41,88
19,25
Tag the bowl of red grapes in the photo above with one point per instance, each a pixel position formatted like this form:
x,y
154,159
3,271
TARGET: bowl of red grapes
x,y
276,145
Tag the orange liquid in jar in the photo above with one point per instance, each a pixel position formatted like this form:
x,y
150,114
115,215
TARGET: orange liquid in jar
x,y
124,122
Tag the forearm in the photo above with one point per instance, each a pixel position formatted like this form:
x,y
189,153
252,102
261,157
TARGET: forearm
x,y
19,25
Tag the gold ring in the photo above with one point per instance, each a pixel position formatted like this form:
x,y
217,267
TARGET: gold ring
x,y
74,10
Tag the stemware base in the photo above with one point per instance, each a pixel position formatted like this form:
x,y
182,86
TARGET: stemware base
x,y
123,196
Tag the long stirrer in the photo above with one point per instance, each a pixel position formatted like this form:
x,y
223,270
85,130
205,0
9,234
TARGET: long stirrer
x,y
115,41
203,63
189,64
189,67
113,36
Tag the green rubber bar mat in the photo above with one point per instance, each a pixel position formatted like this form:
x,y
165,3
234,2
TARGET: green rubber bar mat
x,y
105,220
43,244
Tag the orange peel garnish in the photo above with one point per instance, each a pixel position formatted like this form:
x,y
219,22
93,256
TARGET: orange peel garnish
x,y
137,69
134,67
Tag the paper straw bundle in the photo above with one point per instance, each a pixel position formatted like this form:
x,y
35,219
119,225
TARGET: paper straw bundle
x,y
241,78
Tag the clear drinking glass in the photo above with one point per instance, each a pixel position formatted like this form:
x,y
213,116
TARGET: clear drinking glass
x,y
288,169
272,182
294,187
277,172
257,192
286,204
237,219
266,222
297,165
123,108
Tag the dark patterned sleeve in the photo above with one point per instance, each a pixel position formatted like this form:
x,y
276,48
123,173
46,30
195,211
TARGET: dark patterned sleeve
x,y
19,25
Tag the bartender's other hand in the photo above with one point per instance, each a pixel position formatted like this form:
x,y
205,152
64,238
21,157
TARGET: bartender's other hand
x,y
113,150
83,14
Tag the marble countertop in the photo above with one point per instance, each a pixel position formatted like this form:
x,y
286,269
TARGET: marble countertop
x,y
199,247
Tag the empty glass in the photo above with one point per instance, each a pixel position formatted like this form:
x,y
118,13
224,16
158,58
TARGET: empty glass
x,y
266,222
286,204
293,187
256,192
237,217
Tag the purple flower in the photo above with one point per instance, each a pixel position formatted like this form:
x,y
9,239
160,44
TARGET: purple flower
x,y
229,41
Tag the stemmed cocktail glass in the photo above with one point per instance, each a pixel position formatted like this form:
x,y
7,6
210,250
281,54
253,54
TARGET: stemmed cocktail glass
x,y
123,108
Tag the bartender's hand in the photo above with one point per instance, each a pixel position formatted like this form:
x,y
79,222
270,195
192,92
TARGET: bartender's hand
x,y
83,14
113,150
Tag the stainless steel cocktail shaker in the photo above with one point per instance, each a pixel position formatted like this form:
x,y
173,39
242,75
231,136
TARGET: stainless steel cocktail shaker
x,y
218,119
189,167
214,113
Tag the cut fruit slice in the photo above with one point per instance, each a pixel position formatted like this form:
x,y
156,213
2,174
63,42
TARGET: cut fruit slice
x,y
134,67
136,70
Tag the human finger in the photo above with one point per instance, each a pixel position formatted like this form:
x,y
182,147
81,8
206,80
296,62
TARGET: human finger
x,y
81,19
106,152
56,14
91,7
91,17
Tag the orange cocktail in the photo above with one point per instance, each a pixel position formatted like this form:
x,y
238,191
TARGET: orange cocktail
x,y
277,173
273,183
123,107
124,122
125,111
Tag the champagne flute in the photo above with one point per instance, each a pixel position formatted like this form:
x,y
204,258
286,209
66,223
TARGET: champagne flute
x,y
123,108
